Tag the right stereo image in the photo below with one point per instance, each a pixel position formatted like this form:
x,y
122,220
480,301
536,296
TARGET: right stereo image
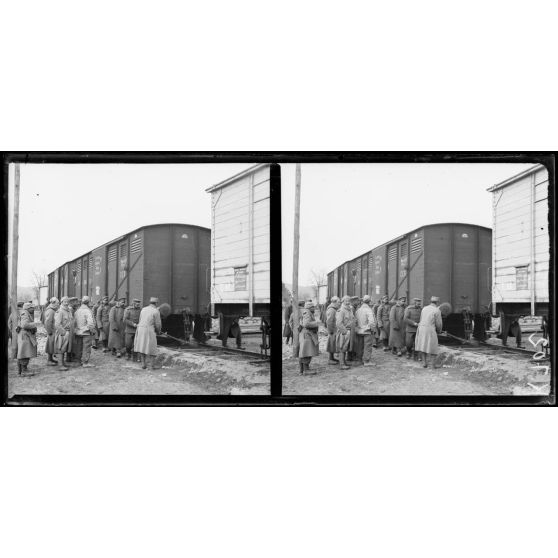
x,y
415,279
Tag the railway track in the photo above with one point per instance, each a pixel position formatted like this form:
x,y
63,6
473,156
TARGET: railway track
x,y
483,348
206,349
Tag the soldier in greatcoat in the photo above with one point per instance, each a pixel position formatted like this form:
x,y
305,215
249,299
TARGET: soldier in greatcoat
x,y
344,321
94,312
74,305
308,338
131,320
331,314
297,327
116,328
149,326
102,318
383,321
13,320
376,330
397,326
429,326
412,319
64,327
26,340
354,343
49,315
287,330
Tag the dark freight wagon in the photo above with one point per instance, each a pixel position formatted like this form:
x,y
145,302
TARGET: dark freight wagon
x,y
169,261
449,260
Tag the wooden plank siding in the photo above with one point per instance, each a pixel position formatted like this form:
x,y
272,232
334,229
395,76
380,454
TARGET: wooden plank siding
x,y
515,222
241,238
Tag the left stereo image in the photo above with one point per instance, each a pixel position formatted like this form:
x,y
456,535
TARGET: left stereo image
x,y
139,279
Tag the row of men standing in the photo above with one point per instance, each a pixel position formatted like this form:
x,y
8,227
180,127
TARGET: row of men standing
x,y
355,327
72,331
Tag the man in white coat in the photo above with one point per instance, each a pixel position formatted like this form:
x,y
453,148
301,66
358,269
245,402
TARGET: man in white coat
x,y
149,325
427,331
85,329
366,323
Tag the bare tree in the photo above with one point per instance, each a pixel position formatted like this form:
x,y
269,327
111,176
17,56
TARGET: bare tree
x,y
318,278
39,280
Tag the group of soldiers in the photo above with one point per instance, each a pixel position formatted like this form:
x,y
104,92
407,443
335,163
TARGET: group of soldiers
x,y
356,326
74,327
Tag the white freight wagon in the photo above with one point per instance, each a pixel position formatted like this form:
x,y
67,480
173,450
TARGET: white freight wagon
x,y
520,244
240,243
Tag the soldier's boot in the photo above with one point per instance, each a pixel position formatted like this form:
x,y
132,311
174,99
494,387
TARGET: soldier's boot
x,y
308,370
301,368
143,361
332,359
19,368
63,367
343,362
128,355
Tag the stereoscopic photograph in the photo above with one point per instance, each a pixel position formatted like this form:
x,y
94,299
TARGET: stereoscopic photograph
x,y
139,279
416,279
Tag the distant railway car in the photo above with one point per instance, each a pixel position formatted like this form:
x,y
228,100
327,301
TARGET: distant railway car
x,y
449,260
169,261
520,244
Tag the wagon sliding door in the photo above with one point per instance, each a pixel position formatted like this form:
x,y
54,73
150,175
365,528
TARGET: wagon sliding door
x,y
112,270
403,270
392,275
123,266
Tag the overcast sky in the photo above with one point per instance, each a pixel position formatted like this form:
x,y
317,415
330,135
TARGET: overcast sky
x,y
348,209
67,210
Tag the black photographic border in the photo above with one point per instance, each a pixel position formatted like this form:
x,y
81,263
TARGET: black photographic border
x,y
276,398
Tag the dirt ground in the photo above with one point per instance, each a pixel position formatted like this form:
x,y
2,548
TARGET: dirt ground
x,y
176,373
461,372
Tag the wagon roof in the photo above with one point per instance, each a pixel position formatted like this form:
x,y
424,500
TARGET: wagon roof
x,y
238,176
118,238
407,234
515,178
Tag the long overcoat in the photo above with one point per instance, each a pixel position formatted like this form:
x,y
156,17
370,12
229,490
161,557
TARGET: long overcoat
x,y
26,340
148,326
131,319
116,328
94,312
49,315
103,323
12,322
383,320
287,330
331,313
430,324
64,326
397,327
343,321
308,336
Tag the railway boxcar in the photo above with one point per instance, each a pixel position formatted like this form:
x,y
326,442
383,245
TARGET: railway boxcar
x,y
240,250
169,261
521,244
449,260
